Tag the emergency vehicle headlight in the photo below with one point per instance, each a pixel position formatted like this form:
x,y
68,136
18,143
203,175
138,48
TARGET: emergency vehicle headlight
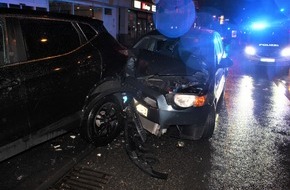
x,y
250,50
285,52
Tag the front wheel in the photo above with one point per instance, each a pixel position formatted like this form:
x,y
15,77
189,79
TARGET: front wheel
x,y
103,121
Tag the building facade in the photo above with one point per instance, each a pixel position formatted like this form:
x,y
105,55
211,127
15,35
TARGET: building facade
x,y
25,4
126,20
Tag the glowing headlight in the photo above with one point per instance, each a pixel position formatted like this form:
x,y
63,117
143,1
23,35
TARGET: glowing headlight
x,y
285,52
141,109
250,50
259,25
185,100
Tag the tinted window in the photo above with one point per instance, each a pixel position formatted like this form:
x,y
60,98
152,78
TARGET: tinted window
x,y
2,50
87,30
15,48
148,43
48,38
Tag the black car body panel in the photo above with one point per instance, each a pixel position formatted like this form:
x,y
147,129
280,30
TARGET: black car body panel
x,y
46,73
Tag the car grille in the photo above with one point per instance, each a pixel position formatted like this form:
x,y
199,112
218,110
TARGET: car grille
x,y
268,52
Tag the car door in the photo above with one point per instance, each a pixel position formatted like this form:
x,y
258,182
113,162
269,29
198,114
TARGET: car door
x,y
13,97
220,72
58,74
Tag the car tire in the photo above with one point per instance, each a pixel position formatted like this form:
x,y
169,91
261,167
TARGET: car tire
x,y
103,121
209,124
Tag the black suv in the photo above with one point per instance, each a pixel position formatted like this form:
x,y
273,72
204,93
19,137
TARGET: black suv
x,y
49,64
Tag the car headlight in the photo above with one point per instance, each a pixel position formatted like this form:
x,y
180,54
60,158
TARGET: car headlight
x,y
143,110
250,50
186,100
285,52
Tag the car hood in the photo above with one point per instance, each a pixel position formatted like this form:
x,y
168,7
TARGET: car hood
x,y
167,74
196,84
148,63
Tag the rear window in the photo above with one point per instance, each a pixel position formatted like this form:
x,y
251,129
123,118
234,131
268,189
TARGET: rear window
x,y
44,38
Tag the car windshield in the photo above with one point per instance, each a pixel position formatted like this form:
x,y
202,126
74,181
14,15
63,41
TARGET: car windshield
x,y
186,50
157,43
274,36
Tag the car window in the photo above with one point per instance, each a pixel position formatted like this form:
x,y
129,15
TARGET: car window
x,y
2,47
49,38
15,49
158,44
218,47
88,31
168,47
146,43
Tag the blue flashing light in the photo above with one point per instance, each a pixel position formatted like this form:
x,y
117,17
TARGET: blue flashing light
x,y
284,6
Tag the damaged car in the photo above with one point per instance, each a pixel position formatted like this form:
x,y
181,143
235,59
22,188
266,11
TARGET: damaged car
x,y
170,85
187,75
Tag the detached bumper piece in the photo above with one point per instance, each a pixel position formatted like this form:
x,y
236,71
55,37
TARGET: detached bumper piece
x,y
135,145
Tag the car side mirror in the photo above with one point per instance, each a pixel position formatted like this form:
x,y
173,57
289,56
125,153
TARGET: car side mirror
x,y
226,62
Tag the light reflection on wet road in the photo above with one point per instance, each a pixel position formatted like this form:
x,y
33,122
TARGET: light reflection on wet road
x,y
252,129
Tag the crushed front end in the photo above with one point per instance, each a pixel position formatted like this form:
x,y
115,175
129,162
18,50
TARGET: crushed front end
x,y
167,102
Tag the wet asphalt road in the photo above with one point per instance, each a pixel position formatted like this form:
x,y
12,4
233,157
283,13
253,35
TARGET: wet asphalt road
x,y
250,148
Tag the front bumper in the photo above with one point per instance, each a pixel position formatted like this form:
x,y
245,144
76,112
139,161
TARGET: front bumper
x,y
186,124
157,114
269,61
166,116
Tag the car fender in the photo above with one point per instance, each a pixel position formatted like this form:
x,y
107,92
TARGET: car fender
x,y
108,86
220,87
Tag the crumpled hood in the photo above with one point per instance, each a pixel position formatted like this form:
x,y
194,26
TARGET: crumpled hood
x,y
176,84
168,74
152,63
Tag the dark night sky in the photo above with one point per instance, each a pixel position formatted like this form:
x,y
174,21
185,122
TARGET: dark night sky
x,y
236,10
